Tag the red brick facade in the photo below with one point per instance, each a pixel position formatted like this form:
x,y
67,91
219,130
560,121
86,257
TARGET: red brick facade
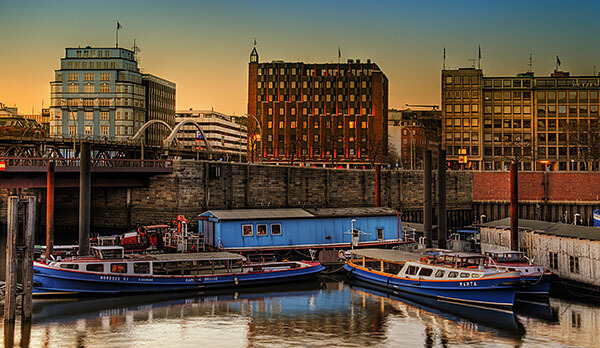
x,y
562,187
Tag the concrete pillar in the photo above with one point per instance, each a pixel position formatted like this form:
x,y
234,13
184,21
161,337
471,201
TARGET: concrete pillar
x,y
427,199
85,197
441,190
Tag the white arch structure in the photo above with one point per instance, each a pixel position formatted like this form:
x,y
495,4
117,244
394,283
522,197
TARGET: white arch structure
x,y
185,121
140,131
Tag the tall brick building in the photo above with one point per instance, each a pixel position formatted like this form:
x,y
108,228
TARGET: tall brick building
x,y
544,122
323,114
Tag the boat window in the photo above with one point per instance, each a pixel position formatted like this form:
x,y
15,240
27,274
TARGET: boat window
x,y
69,266
464,275
275,229
439,274
141,267
118,267
261,230
426,272
453,274
474,275
247,230
412,270
94,267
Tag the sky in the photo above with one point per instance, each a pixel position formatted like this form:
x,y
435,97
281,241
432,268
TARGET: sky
x,y
204,46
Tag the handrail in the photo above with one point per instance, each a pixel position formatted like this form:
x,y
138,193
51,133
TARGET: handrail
x,y
95,162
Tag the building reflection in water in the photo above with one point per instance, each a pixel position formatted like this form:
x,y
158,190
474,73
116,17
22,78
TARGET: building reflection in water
x,y
308,314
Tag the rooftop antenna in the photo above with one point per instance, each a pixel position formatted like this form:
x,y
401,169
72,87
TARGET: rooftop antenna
x,y
136,51
444,65
530,63
479,57
472,60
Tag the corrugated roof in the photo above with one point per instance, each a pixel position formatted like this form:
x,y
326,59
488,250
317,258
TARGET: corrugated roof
x,y
552,228
258,214
352,212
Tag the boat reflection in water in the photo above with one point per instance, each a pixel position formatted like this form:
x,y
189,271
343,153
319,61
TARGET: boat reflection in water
x,y
315,314
497,322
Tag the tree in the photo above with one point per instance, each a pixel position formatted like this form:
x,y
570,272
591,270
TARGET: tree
x,y
375,148
393,155
584,134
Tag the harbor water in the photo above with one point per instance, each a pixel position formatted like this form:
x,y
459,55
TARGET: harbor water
x,y
327,313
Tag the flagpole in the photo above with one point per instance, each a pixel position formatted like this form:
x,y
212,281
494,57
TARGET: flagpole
x,y
117,36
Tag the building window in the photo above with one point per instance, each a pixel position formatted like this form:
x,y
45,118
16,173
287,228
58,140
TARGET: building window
x,y
105,88
261,230
574,264
104,130
104,115
89,115
104,76
247,231
73,88
88,88
88,77
88,130
553,260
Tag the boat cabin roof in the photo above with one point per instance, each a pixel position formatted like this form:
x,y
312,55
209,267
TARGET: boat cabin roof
x,y
504,252
385,254
206,256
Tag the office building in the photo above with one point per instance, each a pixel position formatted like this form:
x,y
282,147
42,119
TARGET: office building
x,y
541,122
100,92
160,104
225,134
323,114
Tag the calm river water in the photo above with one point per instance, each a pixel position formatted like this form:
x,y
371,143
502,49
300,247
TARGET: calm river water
x,y
329,313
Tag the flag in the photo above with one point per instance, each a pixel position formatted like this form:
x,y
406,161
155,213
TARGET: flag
x,y
339,52
479,46
119,26
254,41
557,61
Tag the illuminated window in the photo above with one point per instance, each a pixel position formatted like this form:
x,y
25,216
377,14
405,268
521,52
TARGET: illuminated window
x,y
118,267
261,230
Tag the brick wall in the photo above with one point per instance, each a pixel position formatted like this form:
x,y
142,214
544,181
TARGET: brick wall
x,y
561,187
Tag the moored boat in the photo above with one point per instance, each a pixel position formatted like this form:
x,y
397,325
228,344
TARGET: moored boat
x,y
535,279
467,280
109,271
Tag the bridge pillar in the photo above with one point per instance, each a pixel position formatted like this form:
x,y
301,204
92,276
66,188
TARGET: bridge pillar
x,y
84,198
50,210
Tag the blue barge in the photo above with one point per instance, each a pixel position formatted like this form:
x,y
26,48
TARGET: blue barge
x,y
110,272
242,230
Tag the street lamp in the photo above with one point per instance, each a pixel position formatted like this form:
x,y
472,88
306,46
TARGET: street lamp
x,y
66,103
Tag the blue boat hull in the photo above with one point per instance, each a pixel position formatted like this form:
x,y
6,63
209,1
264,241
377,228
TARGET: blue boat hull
x,y
534,286
494,292
50,281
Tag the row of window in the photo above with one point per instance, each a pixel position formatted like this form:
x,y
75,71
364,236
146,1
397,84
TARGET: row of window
x,y
465,80
92,65
138,267
427,272
318,72
314,84
261,230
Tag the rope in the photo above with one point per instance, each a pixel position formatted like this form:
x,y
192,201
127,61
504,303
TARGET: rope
x,y
334,271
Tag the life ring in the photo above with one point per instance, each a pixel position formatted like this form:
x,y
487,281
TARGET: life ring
x,y
341,255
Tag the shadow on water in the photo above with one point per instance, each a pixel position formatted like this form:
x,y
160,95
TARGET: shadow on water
x,y
500,322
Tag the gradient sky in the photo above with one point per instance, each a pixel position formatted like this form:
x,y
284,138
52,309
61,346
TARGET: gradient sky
x,y
204,46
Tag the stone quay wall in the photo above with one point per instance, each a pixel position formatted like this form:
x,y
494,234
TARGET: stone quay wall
x,y
196,186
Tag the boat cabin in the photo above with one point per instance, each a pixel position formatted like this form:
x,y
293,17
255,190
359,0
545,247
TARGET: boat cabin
x,y
504,256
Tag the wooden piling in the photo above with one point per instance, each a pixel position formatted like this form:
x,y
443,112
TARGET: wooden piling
x,y
10,294
27,264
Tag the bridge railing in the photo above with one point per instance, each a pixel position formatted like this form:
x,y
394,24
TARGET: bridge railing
x,y
95,162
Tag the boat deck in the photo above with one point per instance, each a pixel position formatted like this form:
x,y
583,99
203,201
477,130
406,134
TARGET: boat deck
x,y
388,255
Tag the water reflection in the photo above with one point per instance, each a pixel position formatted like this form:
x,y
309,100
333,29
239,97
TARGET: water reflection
x,y
330,313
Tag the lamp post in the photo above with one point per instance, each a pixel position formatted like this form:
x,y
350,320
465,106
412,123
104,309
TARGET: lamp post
x,y
66,103
258,137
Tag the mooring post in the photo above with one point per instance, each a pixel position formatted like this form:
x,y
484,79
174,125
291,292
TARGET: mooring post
x,y
50,210
427,198
377,185
441,189
84,198
27,264
10,293
514,207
